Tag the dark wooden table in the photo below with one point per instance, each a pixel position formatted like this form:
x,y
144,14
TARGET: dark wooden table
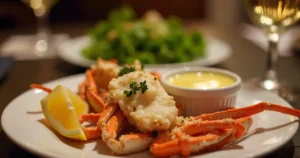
x,y
247,60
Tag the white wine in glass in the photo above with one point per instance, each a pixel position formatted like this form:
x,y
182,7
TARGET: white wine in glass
x,y
41,10
274,17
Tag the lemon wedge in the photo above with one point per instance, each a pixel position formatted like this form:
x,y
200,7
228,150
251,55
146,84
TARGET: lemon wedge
x,y
61,109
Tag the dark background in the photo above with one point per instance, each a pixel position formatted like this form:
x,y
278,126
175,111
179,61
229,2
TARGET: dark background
x,y
14,13
248,60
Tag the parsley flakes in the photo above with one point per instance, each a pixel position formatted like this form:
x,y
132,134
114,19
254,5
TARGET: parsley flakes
x,y
134,87
126,70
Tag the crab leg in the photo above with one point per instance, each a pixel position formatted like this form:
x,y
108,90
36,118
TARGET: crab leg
x,y
248,111
103,95
213,134
91,81
38,86
228,140
91,117
92,132
92,93
106,114
100,118
127,143
245,121
82,90
204,126
95,101
185,144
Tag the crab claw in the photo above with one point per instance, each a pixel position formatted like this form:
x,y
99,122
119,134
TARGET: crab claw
x,y
126,143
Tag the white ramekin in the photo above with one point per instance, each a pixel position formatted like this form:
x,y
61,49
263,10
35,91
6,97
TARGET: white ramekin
x,y
196,101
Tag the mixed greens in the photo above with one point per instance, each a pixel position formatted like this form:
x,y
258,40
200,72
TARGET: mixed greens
x,y
151,39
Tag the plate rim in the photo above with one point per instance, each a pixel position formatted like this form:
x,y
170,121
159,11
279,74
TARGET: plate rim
x,y
35,151
86,63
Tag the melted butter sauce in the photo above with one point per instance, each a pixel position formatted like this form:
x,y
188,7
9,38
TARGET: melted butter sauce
x,y
201,80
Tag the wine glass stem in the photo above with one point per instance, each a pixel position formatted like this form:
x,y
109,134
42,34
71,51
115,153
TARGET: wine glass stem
x,y
42,41
270,80
42,25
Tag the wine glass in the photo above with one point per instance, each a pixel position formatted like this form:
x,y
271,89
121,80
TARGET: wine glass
x,y
41,10
274,17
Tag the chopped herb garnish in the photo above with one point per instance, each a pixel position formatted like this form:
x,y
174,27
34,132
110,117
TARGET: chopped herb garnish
x,y
134,88
143,87
128,93
126,70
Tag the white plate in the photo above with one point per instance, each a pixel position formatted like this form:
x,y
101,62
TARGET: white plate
x,y
217,51
24,123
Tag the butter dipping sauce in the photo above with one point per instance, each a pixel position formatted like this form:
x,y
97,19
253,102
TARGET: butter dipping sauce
x,y
202,90
201,80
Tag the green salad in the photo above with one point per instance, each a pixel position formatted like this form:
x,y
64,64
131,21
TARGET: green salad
x,y
151,39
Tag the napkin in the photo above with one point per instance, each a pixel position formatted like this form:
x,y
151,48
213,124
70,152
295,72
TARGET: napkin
x,y
257,36
21,46
5,65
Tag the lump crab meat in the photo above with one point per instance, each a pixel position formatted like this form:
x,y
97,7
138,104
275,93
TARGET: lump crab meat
x,y
153,110
104,72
